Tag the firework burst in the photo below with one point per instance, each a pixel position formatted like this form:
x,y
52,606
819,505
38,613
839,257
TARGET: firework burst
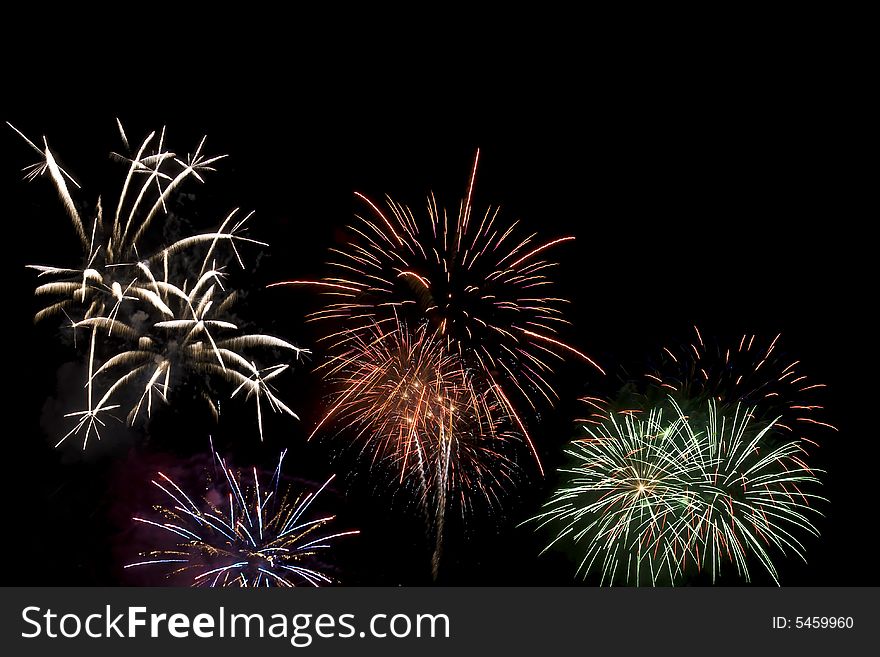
x,y
161,318
476,281
411,409
749,371
245,532
655,496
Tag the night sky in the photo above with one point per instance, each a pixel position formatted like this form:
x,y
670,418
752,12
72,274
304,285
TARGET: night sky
x,y
726,206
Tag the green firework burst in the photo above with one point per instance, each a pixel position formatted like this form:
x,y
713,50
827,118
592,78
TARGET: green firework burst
x,y
652,498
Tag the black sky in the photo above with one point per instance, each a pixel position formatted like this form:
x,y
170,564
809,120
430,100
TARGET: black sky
x,y
715,199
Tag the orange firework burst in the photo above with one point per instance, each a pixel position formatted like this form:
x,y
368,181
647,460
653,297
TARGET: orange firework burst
x,y
473,280
413,409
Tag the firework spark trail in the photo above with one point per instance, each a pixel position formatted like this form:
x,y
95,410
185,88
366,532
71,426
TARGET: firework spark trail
x,y
652,497
89,419
159,316
470,278
259,536
412,410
